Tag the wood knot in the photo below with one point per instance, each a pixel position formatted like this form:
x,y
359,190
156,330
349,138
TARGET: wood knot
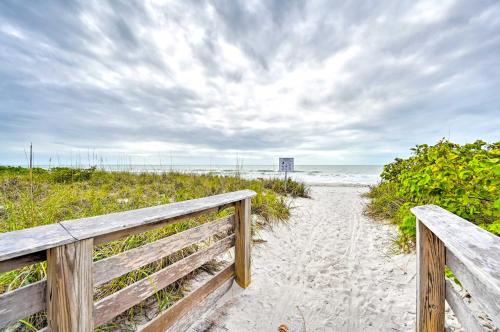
x,y
283,328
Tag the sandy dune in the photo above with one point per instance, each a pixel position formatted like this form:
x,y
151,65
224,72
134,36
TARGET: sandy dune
x,y
329,269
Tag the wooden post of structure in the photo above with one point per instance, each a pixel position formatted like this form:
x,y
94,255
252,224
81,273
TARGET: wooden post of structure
x,y
69,287
242,245
286,180
430,281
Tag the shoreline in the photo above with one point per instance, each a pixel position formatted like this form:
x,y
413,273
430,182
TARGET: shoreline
x,y
338,184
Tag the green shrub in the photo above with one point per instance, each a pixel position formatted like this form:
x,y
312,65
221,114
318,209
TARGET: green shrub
x,y
464,179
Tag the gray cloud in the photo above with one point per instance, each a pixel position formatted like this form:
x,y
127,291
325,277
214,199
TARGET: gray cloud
x,y
342,82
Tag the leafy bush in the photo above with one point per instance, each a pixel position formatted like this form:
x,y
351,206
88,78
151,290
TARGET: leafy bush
x,y
464,179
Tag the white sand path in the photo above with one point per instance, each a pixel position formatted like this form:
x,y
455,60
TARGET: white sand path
x,y
328,269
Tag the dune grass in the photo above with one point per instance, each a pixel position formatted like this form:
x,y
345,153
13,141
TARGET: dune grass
x,y
65,193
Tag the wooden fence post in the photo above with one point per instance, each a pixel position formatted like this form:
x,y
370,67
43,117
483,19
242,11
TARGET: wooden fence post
x,y
242,244
430,280
69,287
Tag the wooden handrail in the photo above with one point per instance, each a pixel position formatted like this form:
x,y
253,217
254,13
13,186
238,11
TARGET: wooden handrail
x,y
118,302
30,240
67,293
119,264
471,253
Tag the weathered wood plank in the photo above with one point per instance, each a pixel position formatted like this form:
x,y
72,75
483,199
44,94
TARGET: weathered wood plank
x,y
121,234
36,239
461,310
117,265
113,305
488,300
477,249
430,281
242,246
193,316
69,287
22,302
22,261
169,317
81,229
30,240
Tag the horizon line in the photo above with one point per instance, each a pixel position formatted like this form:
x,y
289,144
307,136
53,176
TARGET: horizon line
x,y
171,165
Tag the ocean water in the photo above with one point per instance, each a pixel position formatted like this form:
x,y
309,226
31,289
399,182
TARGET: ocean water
x,y
310,174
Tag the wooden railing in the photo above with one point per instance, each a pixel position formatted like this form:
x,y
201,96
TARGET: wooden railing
x,y
471,253
67,292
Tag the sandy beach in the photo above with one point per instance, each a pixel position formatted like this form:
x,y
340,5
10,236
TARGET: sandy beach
x,y
330,268
250,166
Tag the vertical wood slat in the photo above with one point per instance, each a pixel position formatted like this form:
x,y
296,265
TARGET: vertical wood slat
x,y
242,244
471,254
430,281
69,287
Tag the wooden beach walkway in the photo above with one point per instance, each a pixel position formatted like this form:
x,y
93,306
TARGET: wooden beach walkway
x,y
66,295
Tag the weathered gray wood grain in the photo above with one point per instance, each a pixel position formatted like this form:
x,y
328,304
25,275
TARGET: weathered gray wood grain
x,y
21,261
113,305
242,246
95,226
186,322
69,287
36,239
22,302
489,301
28,300
461,310
117,265
165,320
476,249
30,240
123,233
430,280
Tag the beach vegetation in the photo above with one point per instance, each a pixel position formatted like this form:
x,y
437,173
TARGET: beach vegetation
x,y
461,178
293,188
49,196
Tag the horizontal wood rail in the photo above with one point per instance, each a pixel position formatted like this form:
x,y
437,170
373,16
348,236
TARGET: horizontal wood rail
x,y
67,293
167,318
471,253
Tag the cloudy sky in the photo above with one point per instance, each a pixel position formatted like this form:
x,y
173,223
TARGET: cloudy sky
x,y
329,82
